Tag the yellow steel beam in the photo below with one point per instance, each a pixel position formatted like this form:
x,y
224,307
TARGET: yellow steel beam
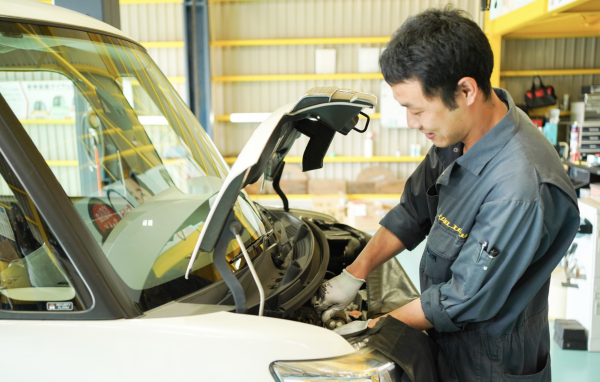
x,y
553,72
176,80
550,35
299,77
302,41
163,44
564,25
47,121
148,1
526,16
235,1
351,159
227,117
309,196
63,163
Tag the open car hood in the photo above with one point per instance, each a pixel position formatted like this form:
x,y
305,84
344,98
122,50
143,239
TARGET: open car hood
x,y
319,114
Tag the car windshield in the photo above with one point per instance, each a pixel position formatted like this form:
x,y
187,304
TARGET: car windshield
x,y
138,167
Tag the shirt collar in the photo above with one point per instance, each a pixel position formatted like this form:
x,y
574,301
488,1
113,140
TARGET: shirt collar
x,y
494,140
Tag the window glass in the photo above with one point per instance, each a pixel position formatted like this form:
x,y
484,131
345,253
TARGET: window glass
x,y
35,273
138,167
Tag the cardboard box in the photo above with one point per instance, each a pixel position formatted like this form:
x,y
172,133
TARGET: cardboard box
x,y
365,215
293,181
326,186
376,174
291,187
392,187
254,188
357,187
331,205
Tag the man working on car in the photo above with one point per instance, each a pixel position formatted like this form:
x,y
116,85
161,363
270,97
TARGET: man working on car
x,y
491,197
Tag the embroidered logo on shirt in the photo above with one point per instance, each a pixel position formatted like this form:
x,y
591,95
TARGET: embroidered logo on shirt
x,y
453,226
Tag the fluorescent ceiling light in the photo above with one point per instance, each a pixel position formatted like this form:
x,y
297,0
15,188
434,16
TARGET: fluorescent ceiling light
x,y
153,120
248,117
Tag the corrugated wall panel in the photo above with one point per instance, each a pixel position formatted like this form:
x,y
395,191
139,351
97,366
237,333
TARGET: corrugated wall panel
x,y
153,22
307,19
159,22
567,53
317,18
171,61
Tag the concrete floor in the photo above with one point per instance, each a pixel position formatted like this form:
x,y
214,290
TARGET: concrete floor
x,y
567,365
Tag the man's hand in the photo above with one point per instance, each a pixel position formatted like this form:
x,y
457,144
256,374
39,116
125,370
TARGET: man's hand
x,y
335,294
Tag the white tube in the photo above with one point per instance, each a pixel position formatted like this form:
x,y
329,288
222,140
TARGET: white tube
x,y
254,275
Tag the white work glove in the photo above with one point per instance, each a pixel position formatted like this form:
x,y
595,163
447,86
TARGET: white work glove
x,y
335,294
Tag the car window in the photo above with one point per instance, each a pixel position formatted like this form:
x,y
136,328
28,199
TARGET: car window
x,y
138,167
35,273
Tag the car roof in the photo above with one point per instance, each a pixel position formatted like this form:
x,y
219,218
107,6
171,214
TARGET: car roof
x,y
42,13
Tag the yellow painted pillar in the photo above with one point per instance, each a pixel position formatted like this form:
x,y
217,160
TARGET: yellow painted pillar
x,y
495,40
496,44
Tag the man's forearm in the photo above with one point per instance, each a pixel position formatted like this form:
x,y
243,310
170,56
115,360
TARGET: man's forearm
x,y
382,247
411,314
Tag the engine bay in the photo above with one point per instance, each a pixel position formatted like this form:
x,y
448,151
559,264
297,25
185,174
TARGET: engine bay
x,y
300,251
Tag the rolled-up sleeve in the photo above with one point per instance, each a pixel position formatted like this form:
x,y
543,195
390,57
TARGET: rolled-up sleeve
x,y
410,220
523,233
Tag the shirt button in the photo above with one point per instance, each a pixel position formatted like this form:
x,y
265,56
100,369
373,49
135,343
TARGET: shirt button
x,y
455,149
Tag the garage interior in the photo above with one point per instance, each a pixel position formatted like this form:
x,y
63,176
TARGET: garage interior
x,y
236,61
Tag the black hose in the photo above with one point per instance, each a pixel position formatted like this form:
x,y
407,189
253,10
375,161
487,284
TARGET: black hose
x,y
277,188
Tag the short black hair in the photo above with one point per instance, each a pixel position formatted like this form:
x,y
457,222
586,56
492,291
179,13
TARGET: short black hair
x,y
438,47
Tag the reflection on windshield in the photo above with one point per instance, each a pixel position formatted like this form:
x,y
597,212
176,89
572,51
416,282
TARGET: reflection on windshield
x,y
138,167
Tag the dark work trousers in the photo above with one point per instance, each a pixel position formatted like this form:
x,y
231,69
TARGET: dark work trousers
x,y
522,355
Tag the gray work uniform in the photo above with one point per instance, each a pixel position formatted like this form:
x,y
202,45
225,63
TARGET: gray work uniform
x,y
511,191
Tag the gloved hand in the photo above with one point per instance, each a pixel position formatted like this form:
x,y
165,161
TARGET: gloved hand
x,y
352,329
336,294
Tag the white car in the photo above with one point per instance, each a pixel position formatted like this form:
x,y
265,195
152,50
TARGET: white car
x,y
107,201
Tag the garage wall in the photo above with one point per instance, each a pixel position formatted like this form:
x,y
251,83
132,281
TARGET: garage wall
x,y
159,27
564,53
292,19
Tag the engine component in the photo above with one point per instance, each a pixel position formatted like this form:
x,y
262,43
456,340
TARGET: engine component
x,y
306,315
345,244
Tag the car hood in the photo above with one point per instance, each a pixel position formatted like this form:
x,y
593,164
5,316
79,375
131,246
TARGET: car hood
x,y
215,346
319,114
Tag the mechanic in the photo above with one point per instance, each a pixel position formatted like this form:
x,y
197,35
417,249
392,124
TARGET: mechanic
x,y
491,196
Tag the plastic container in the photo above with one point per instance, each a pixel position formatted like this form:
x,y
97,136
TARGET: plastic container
x,y
574,142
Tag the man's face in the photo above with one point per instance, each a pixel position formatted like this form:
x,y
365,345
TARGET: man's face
x,y
444,127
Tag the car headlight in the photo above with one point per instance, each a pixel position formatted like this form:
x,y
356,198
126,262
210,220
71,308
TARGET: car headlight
x,y
366,364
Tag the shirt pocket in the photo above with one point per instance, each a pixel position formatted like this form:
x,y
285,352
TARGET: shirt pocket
x,y
443,246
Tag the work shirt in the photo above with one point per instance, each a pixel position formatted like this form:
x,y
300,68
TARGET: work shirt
x,y
510,191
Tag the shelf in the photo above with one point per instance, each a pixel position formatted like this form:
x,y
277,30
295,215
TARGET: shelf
x,y
149,1
351,159
302,41
163,44
577,18
592,170
542,111
557,72
299,77
177,80
592,123
233,1
226,117
47,121
309,196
